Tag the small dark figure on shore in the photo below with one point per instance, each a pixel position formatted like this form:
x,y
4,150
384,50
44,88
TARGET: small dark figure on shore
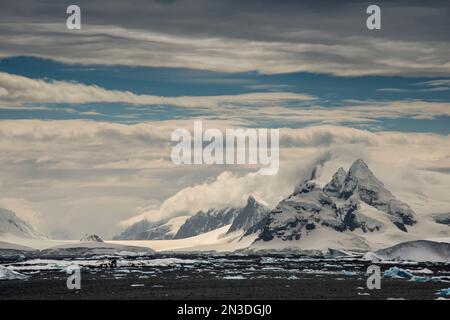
x,y
113,263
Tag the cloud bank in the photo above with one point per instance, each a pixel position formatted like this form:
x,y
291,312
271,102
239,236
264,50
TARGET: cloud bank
x,y
233,36
89,176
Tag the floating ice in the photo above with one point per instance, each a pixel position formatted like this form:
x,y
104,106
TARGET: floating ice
x,y
234,277
397,273
137,285
7,274
444,292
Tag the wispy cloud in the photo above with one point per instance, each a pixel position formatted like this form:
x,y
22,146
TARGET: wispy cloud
x,y
22,89
292,52
425,86
260,107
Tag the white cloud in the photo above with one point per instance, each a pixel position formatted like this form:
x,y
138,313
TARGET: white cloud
x,y
309,50
396,158
19,91
88,176
353,112
22,89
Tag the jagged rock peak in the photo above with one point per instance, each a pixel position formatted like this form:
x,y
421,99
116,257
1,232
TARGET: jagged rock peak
x,y
359,164
360,171
336,183
254,200
253,213
305,187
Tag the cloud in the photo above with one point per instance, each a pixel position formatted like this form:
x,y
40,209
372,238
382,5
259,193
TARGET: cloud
x,y
236,36
430,86
88,176
371,112
397,158
22,89
289,108
229,190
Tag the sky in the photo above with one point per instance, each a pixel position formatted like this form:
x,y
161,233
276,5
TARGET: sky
x,y
86,115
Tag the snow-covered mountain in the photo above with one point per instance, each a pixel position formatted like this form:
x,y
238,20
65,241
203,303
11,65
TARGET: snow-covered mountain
x,y
247,220
12,225
146,230
350,205
250,217
421,250
203,222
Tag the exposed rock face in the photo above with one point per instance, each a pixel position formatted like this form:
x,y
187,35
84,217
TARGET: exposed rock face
x,y
91,238
250,215
13,225
442,218
361,182
203,222
337,182
241,219
338,207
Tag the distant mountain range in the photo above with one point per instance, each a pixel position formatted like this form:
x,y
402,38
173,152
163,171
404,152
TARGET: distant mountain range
x,y
203,222
354,210
12,225
245,220
146,230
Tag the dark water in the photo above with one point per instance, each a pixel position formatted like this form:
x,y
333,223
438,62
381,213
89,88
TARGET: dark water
x,y
221,277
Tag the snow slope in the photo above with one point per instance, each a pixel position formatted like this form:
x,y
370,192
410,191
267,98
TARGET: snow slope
x,y
10,224
146,230
13,246
13,251
421,250
217,240
93,248
35,243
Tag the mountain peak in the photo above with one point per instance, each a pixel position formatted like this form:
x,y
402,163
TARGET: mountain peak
x,y
10,223
336,183
91,238
253,200
341,172
343,205
359,165
360,177
360,181
202,222
252,214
